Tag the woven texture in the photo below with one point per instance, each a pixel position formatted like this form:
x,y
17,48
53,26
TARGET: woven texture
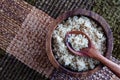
x,y
25,38
30,42
104,74
55,7
25,16
12,69
12,14
110,10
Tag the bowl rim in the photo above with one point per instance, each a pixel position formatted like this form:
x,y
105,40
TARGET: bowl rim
x,y
76,12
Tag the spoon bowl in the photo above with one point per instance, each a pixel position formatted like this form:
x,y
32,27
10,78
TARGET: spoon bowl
x,y
81,52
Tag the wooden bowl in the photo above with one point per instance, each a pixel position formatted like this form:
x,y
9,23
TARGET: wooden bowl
x,y
101,21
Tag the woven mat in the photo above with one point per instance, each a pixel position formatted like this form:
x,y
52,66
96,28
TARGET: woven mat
x,y
110,10
12,69
26,34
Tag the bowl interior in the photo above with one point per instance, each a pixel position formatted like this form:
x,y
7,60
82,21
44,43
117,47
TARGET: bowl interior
x,y
78,12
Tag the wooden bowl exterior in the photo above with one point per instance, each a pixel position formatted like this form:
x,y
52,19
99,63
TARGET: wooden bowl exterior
x,y
91,15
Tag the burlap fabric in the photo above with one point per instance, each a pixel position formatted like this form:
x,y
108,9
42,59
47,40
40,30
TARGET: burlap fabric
x,y
26,35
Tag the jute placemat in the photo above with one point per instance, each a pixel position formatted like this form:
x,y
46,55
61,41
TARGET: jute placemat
x,y
25,38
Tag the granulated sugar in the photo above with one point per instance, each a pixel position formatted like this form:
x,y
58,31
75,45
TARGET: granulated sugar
x,y
68,59
78,41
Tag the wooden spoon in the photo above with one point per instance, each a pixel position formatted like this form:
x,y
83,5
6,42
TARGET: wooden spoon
x,y
92,52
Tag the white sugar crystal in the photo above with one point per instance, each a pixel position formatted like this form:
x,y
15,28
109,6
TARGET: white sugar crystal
x,y
78,41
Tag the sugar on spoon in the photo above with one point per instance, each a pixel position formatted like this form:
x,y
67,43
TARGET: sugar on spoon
x,y
92,52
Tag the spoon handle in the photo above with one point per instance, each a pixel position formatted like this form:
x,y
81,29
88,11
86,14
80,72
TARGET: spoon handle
x,y
115,68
